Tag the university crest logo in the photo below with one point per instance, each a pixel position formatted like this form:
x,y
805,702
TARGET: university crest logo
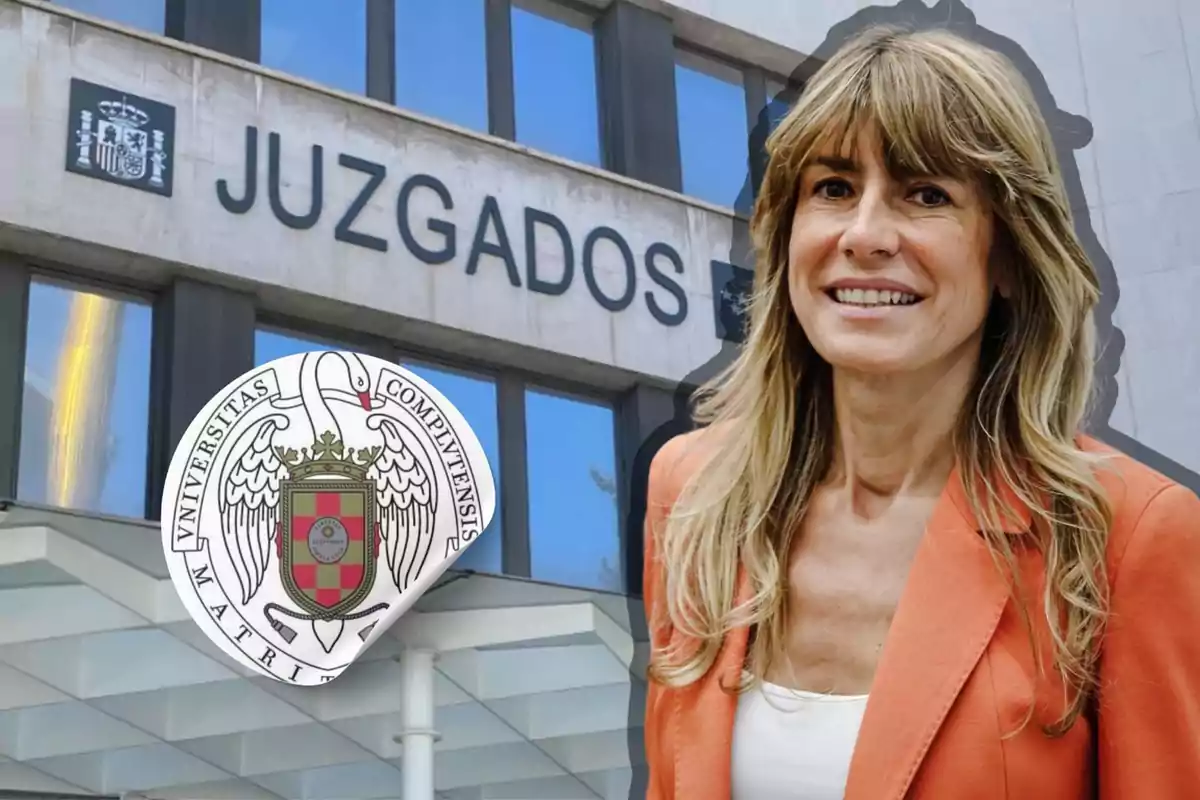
x,y
312,502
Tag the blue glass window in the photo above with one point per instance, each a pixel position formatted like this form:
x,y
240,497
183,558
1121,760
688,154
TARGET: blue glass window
x,y
270,344
475,398
86,405
147,15
574,528
554,81
713,136
441,60
473,395
324,41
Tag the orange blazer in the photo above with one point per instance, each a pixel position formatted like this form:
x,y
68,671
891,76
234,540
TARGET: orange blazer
x,y
957,674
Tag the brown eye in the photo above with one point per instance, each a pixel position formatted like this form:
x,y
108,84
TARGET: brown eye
x,y
930,196
832,189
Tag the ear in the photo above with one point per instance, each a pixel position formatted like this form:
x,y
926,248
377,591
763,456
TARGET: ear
x,y
1003,280
1002,265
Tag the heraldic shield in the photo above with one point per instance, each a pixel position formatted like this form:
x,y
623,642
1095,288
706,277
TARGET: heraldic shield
x,y
309,508
328,547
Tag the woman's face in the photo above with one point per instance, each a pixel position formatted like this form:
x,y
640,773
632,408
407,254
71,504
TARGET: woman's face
x,y
888,273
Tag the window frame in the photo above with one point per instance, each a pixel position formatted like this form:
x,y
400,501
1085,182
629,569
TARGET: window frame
x,y
754,94
374,46
15,284
511,387
512,383
756,83
576,15
512,473
501,90
710,62
125,285
318,333
566,390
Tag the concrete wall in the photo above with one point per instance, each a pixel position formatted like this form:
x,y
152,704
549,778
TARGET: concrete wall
x,y
659,292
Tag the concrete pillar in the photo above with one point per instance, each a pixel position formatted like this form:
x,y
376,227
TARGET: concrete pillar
x,y
203,339
231,28
637,94
418,735
14,302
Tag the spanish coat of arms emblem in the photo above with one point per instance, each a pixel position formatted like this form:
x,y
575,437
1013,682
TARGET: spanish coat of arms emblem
x,y
732,288
312,502
120,138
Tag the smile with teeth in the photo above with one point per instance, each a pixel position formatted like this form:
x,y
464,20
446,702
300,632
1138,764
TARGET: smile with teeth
x,y
873,297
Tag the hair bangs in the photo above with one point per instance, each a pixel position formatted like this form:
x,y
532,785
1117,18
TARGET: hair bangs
x,y
927,116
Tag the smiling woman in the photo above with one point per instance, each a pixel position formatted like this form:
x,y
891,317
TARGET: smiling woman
x,y
893,520
889,272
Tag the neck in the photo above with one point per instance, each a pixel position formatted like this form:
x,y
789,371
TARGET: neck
x,y
895,433
314,404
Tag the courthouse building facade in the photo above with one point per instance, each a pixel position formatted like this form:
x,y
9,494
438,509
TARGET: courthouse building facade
x,y
536,205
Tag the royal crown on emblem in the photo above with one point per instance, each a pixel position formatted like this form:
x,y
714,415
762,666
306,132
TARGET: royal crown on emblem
x,y
329,456
123,112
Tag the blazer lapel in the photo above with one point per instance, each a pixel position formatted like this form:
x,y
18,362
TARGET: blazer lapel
x,y
952,602
703,719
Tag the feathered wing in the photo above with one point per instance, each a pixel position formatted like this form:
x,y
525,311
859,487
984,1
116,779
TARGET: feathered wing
x,y
250,504
407,504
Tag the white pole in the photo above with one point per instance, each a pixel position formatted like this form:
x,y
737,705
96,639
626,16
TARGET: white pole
x,y
418,735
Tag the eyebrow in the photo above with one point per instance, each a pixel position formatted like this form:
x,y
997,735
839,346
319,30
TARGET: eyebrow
x,y
849,165
837,163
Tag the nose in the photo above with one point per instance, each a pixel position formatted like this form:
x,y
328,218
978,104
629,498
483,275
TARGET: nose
x,y
872,232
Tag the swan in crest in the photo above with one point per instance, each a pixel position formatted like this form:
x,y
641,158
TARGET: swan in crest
x,y
405,493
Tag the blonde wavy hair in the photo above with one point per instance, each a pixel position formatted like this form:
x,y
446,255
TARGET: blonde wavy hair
x,y
942,105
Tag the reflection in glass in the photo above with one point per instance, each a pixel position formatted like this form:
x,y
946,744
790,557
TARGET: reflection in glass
x,y
441,60
86,404
147,15
473,396
324,41
713,139
554,83
573,519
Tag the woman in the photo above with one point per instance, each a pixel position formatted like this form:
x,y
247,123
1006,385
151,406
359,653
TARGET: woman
x,y
890,566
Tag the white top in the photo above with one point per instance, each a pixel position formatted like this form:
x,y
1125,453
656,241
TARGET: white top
x,y
790,744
